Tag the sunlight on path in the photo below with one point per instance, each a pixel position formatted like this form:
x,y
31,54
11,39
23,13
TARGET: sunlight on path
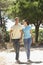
x,y
8,58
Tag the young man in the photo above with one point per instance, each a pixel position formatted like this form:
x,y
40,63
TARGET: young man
x,y
16,36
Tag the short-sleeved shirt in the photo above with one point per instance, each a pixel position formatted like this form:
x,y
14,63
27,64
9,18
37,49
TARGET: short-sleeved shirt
x,y
26,31
16,33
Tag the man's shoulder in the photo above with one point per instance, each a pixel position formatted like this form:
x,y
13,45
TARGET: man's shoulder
x,y
20,26
13,26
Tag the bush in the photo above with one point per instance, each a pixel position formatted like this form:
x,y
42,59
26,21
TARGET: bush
x,y
7,37
41,36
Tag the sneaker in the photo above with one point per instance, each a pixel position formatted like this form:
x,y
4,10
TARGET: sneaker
x,y
29,61
17,61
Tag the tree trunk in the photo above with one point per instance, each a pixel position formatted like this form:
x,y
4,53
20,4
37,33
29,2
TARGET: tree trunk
x,y
36,33
0,19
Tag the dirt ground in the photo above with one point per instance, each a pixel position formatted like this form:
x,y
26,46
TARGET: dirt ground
x,y
7,56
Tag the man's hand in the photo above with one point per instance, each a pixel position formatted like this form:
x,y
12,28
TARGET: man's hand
x,y
20,40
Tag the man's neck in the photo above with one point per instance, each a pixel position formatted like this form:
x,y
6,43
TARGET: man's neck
x,y
16,23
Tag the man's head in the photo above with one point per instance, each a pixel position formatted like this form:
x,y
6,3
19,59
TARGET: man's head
x,y
16,20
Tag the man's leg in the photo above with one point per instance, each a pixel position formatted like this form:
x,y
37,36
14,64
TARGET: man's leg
x,y
16,45
17,50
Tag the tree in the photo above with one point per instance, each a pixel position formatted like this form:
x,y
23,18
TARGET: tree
x,y
4,4
30,9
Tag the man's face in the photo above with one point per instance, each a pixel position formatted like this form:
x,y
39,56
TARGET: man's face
x,y
17,21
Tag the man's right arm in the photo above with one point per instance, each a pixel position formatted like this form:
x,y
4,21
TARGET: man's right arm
x,y
10,33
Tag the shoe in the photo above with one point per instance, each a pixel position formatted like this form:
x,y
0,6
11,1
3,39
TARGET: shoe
x,y
29,61
17,61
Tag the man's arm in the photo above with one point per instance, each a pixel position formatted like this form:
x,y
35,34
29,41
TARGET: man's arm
x,y
10,33
21,35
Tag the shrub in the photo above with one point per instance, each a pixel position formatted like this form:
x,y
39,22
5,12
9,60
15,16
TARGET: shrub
x,y
41,36
7,37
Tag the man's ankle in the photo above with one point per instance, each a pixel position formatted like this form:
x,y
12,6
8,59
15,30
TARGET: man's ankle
x,y
18,60
29,60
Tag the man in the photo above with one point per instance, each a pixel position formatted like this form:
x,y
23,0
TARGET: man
x,y
16,35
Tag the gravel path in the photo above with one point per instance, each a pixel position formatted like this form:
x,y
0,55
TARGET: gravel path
x,y
7,57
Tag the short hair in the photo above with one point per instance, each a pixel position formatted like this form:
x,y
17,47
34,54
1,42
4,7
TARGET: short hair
x,y
27,21
16,18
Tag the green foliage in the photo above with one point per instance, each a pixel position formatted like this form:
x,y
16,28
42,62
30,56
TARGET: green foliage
x,y
29,9
3,4
7,37
41,35
2,35
40,38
